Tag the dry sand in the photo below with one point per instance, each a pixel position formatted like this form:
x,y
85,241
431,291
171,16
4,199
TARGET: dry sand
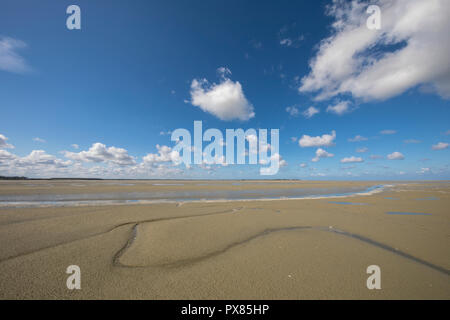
x,y
281,249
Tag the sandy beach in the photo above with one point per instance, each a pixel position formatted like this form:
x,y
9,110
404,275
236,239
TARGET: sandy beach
x,y
253,249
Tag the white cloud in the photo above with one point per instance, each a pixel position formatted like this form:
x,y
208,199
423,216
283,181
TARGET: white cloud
x,y
375,157
98,152
318,174
396,156
340,108
223,71
349,60
286,42
424,170
358,138
320,153
41,158
290,41
440,146
293,111
75,146
303,165
311,111
325,140
352,159
387,132
4,144
273,157
37,139
362,150
5,155
10,60
165,154
225,100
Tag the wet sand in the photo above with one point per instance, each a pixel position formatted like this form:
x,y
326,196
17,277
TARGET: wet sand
x,y
278,249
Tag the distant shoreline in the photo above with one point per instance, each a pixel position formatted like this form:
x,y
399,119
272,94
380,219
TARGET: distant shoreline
x,y
155,179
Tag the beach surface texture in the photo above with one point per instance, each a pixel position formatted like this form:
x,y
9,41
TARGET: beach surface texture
x,y
224,239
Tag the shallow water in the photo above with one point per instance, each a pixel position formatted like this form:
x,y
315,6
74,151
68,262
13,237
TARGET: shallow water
x,y
348,203
409,213
33,200
428,198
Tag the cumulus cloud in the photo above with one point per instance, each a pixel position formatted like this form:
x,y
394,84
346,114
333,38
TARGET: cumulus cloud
x,y
310,112
37,163
352,159
325,140
5,155
225,100
98,152
4,144
40,158
440,146
340,108
165,154
293,111
396,156
410,50
109,164
320,153
358,138
10,60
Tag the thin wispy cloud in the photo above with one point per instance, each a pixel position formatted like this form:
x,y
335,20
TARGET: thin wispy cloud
x,y
395,156
10,60
352,159
339,108
358,138
388,132
40,140
293,111
412,141
310,112
440,146
362,150
4,144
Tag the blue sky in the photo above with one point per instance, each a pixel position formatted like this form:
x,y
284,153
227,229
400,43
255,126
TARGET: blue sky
x,y
118,86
